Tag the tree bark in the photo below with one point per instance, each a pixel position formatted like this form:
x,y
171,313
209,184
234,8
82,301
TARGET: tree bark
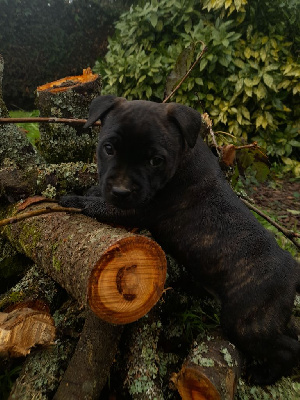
x,y
89,367
69,97
119,274
143,380
50,180
15,149
211,370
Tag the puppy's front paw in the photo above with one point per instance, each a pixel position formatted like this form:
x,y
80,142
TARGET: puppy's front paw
x,y
72,201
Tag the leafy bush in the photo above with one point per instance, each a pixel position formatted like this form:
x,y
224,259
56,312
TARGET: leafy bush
x,y
248,79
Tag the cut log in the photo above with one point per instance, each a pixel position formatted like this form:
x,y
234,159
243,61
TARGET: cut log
x,y
119,274
24,328
142,364
210,372
44,367
15,148
50,180
89,367
35,286
69,97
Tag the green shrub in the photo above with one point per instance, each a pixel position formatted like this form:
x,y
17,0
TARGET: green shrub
x,y
248,79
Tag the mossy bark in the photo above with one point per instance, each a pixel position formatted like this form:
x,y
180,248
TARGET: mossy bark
x,y
120,275
143,380
210,371
49,180
34,286
15,149
65,143
89,367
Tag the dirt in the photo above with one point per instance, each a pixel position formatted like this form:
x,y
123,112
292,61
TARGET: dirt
x,y
282,200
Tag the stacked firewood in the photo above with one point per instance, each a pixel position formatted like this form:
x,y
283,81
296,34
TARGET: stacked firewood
x,y
85,307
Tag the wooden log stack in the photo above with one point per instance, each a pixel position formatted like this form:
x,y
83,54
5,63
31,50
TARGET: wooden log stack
x,y
69,97
79,324
120,275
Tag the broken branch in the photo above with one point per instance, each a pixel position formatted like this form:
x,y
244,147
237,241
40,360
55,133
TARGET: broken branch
x,y
188,72
287,233
50,120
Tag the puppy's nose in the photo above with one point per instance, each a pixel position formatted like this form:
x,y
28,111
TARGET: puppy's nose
x,y
120,191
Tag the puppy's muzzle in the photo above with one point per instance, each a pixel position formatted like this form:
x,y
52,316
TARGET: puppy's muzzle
x,y
120,192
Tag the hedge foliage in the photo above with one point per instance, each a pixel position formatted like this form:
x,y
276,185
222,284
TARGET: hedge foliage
x,y
45,40
248,80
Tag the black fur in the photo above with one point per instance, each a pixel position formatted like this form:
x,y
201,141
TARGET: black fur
x,y
155,171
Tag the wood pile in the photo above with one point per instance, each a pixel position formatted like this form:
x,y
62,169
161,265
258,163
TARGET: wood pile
x,y
88,313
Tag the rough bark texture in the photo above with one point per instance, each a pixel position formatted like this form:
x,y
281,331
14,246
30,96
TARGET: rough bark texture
x,y
15,148
89,367
34,286
143,380
211,370
68,98
120,275
12,265
50,180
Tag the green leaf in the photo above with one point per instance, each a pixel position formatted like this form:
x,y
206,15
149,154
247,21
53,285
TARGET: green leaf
x,y
262,171
247,52
153,19
188,26
269,81
261,91
293,212
245,112
239,63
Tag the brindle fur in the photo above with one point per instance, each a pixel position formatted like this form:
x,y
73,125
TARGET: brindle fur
x,y
191,210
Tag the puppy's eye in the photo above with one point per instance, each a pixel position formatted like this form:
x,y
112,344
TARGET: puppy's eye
x,y
157,161
109,149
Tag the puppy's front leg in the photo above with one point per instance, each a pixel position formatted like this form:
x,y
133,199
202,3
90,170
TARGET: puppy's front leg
x,y
95,207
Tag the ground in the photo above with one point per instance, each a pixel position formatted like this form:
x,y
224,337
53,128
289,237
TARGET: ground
x,y
281,199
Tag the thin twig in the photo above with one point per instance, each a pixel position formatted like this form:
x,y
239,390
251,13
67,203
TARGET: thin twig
x,y
29,120
287,233
34,213
225,133
188,72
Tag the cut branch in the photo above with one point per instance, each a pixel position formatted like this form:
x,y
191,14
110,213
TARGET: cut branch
x,y
188,72
120,275
50,120
34,213
287,233
89,367
211,371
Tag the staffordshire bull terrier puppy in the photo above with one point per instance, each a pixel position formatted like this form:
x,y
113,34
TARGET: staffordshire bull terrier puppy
x,y
155,171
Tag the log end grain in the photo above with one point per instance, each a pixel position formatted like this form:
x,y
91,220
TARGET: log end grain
x,y
128,280
193,384
69,82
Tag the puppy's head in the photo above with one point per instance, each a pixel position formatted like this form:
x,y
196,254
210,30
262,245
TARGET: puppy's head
x,y
140,146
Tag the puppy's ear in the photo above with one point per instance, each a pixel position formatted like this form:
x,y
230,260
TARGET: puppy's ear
x,y
187,120
99,107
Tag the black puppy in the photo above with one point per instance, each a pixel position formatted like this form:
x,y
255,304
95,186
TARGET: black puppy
x,y
156,172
